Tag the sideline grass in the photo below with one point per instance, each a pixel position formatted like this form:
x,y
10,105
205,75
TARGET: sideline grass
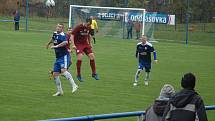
x,y
26,92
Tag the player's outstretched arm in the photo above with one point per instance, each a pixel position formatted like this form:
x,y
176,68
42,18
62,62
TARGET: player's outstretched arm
x,y
64,43
48,44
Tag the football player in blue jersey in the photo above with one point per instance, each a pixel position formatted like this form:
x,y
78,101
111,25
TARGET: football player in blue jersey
x,y
143,53
62,62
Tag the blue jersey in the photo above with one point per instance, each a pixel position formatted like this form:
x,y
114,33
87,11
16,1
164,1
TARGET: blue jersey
x,y
57,39
143,51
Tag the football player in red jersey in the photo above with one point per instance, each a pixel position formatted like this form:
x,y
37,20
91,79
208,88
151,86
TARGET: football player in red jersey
x,y
81,42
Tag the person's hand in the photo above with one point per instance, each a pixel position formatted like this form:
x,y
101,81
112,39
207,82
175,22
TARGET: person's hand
x,y
54,46
156,61
97,31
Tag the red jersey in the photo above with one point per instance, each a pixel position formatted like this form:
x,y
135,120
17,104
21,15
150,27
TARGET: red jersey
x,y
81,34
68,41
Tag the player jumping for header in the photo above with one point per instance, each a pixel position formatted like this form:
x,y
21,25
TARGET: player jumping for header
x,y
81,43
62,62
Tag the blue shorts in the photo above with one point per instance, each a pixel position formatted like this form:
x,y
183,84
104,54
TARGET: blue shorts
x,y
146,65
62,63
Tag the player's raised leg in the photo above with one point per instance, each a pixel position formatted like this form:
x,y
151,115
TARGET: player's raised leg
x,y
66,74
50,74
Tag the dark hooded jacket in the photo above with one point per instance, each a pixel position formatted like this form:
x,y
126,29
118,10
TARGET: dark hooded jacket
x,y
185,105
155,112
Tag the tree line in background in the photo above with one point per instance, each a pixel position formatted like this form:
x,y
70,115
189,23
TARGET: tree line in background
x,y
198,10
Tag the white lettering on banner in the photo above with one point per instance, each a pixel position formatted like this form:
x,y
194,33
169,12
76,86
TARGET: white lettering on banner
x,y
136,17
155,19
109,15
151,18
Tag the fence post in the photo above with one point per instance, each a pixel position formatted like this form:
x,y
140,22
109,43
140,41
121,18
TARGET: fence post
x,y
26,16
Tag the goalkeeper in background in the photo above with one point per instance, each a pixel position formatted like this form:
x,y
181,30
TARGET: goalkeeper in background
x,y
143,53
94,26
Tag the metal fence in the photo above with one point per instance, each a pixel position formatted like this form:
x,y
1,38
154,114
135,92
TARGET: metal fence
x,y
110,116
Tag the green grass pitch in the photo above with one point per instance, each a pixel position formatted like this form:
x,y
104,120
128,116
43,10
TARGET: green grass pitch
x,y
26,92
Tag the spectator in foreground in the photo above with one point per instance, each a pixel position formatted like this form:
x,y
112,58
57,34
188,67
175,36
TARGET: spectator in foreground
x,y
156,110
186,105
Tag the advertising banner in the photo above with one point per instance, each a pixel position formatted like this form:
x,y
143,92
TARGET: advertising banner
x,y
137,16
